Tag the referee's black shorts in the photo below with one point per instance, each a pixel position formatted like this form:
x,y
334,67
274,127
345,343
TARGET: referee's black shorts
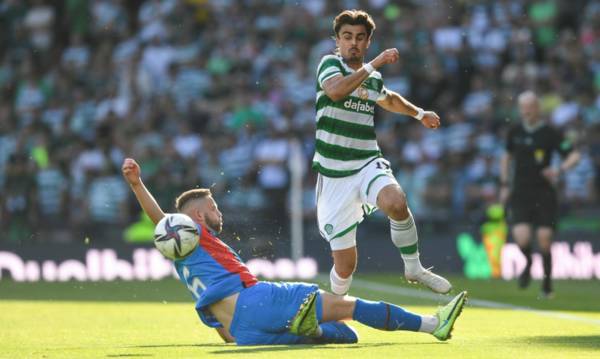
x,y
536,207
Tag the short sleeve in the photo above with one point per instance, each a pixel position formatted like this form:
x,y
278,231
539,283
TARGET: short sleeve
x,y
382,94
329,67
561,144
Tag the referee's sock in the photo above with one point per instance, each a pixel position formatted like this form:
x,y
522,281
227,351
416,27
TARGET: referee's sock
x,y
526,250
547,282
547,263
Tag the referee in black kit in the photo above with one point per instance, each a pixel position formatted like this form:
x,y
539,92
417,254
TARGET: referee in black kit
x,y
528,183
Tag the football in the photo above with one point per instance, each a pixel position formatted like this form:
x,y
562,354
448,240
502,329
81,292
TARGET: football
x,y
176,236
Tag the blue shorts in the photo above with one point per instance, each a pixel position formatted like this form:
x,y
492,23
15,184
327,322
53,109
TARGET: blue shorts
x,y
263,312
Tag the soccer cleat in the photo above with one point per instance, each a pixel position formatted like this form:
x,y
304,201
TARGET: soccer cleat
x,y
447,316
547,291
305,321
429,279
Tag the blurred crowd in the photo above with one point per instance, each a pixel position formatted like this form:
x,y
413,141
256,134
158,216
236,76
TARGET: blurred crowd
x,y
219,93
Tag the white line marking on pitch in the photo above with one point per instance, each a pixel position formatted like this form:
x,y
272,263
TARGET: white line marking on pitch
x,y
415,293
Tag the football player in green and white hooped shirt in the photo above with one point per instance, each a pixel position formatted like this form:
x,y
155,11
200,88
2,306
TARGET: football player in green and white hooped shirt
x,y
354,178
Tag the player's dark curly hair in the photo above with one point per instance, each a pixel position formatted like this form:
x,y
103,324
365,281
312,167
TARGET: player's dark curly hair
x,y
354,17
187,196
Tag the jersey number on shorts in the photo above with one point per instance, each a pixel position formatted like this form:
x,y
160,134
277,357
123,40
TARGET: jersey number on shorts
x,y
195,283
381,165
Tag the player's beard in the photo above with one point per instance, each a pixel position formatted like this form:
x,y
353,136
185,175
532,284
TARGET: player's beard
x,y
216,225
354,57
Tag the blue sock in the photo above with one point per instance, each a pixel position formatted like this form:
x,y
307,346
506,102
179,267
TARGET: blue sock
x,y
337,332
385,316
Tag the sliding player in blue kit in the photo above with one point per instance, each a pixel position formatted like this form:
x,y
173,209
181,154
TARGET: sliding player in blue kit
x,y
247,311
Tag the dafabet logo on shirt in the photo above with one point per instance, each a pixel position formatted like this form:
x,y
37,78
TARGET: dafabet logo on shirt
x,y
359,106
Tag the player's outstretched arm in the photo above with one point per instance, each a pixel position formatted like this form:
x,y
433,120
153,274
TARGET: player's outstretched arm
x,y
394,102
338,87
132,172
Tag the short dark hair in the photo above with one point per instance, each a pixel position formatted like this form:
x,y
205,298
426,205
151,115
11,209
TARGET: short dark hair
x,y
197,193
354,17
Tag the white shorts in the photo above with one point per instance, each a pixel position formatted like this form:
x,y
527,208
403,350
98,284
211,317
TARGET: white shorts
x,y
342,203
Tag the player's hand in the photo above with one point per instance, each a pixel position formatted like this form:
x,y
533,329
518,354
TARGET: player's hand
x,y
131,171
431,120
551,174
388,56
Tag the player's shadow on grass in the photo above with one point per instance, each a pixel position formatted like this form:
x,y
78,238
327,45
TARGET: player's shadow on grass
x,y
576,341
275,348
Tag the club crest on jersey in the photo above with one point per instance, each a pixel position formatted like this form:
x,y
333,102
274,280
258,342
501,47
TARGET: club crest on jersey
x,y
359,106
329,228
363,93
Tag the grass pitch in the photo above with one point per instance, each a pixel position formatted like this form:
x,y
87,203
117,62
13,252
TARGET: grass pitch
x,y
157,320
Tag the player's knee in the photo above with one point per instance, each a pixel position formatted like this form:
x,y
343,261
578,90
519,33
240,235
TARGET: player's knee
x,y
545,245
522,234
397,209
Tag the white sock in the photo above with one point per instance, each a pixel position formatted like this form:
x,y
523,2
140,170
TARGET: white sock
x,y
404,236
339,285
428,323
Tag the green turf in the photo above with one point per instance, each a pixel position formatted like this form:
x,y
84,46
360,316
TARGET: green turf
x,y
157,320
573,295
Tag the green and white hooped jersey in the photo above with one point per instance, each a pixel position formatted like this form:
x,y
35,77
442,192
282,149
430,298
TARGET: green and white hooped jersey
x,y
345,139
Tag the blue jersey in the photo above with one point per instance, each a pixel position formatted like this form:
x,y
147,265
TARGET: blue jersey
x,y
212,272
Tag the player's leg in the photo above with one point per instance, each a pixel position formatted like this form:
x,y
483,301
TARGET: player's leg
x,y
308,321
345,257
265,315
544,238
522,212
521,233
262,313
546,216
338,214
380,315
392,201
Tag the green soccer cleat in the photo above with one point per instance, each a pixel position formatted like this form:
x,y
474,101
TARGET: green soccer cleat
x,y
447,316
305,322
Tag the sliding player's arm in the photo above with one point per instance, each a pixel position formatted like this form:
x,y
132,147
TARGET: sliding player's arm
x,y
394,102
225,335
338,86
131,172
